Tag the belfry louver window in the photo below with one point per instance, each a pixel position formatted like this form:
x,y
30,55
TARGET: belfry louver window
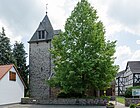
x,y
41,34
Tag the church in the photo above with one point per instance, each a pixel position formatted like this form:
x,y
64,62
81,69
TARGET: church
x,y
40,63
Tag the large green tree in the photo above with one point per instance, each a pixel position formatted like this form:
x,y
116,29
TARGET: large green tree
x,y
20,56
5,49
81,55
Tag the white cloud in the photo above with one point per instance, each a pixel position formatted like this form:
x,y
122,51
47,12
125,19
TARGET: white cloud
x,y
123,51
22,18
125,54
136,55
9,33
138,41
125,12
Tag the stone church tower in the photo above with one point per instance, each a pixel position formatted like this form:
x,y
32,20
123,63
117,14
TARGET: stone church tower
x,y
40,59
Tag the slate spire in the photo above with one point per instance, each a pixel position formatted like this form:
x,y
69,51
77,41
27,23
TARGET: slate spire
x,y
44,31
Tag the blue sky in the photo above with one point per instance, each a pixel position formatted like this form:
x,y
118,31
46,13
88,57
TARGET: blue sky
x,y
121,19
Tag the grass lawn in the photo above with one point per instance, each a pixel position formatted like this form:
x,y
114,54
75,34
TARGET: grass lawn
x,y
120,99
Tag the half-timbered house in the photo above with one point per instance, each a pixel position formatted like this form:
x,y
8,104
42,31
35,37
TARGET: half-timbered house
x,y
128,78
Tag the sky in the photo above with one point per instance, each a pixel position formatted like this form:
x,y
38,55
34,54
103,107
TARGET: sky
x,y
121,19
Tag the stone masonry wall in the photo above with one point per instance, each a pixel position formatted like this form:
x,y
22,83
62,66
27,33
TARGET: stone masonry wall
x,y
129,101
40,63
59,101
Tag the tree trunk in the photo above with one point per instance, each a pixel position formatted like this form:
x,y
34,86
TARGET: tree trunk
x,y
83,93
98,93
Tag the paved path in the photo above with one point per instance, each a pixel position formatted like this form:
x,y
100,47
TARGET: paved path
x,y
118,105
48,106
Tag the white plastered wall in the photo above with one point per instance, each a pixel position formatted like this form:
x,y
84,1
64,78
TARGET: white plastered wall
x,y
11,91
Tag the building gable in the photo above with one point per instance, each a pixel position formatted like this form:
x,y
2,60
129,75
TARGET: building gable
x,y
4,69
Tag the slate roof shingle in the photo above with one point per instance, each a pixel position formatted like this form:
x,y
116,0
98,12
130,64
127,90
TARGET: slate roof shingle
x,y
120,73
134,66
45,25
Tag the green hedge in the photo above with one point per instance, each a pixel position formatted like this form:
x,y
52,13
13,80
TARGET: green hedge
x,y
132,106
69,95
128,92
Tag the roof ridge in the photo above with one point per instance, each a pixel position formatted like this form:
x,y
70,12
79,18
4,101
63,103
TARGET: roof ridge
x,y
133,61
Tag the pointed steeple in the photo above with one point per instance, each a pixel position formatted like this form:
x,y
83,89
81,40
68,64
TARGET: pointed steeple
x,y
44,32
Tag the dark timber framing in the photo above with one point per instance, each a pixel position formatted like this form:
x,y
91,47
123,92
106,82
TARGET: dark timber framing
x,y
120,83
136,79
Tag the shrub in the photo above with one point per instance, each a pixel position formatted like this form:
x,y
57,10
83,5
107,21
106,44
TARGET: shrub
x,y
128,92
62,95
132,106
138,104
106,97
69,95
110,104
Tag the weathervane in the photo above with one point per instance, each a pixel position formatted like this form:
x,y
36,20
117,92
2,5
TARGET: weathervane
x,y
46,7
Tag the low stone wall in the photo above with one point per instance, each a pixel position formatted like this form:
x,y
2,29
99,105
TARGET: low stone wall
x,y
59,101
129,101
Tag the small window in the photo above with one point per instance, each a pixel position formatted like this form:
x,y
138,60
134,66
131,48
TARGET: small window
x,y
46,33
12,76
41,34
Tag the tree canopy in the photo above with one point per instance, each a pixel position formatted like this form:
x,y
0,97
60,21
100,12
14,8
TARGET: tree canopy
x,y
20,56
5,49
16,56
82,57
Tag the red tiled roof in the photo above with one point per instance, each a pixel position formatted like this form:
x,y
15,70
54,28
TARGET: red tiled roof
x,y
4,69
